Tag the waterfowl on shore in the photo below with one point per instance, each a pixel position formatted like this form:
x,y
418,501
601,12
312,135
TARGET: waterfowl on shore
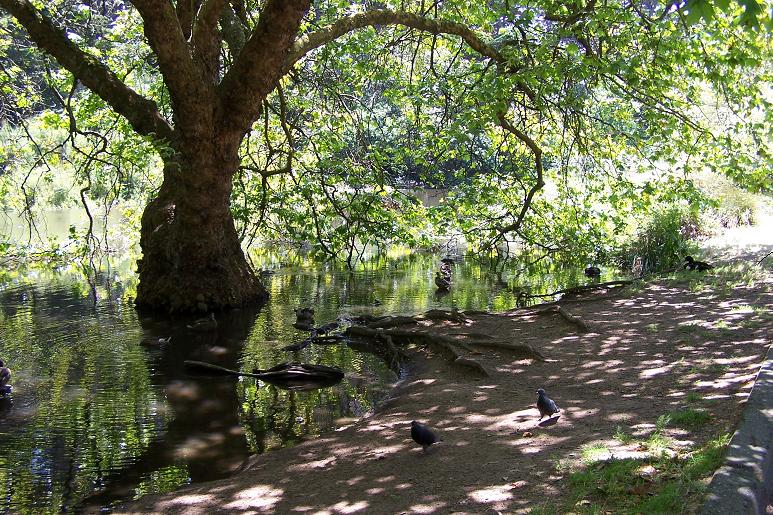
x,y
593,271
692,264
442,282
204,324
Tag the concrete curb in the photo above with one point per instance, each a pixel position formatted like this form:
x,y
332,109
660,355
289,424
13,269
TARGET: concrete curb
x,y
744,484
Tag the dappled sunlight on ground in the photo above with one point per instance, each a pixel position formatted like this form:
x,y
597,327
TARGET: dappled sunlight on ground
x,y
651,351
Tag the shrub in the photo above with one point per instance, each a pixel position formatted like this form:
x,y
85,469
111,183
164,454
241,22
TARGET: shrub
x,y
661,242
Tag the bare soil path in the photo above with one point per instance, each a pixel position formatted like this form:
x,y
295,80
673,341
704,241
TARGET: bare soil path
x,y
648,347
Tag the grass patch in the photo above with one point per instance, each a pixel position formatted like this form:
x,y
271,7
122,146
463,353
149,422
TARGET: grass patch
x,y
594,452
622,436
661,484
688,418
693,397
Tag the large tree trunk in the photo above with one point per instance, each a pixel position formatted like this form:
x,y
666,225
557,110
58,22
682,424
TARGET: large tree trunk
x,y
192,259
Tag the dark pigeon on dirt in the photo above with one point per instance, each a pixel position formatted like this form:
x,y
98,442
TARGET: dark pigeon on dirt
x,y
423,435
545,405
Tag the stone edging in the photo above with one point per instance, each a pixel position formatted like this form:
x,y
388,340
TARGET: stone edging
x,y
744,483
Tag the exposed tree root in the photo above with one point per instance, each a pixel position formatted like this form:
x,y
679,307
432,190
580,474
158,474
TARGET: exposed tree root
x,y
386,322
525,350
440,314
566,315
403,336
581,289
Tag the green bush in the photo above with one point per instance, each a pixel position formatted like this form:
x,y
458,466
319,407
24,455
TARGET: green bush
x,y
732,206
662,241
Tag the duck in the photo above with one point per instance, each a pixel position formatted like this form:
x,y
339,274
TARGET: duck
x,y
442,282
204,324
593,271
692,264
5,375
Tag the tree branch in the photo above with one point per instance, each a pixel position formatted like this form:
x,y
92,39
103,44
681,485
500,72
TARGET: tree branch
x,y
258,67
318,38
537,151
205,37
142,113
181,76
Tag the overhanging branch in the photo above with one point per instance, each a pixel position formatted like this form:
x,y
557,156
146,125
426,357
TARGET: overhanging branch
x,y
141,112
320,37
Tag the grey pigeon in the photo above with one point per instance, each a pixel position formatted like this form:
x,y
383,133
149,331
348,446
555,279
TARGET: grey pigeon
x,y
545,405
423,435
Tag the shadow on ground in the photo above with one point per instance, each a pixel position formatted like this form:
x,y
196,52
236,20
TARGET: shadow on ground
x,y
649,347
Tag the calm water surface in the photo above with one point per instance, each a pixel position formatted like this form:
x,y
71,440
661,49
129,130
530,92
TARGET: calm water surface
x,y
102,412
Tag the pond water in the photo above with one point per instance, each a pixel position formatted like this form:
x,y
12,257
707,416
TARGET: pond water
x,y
102,411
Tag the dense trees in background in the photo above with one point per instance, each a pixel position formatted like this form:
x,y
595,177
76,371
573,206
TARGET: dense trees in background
x,y
550,123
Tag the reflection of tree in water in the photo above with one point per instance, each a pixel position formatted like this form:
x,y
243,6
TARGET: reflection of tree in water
x,y
83,403
275,418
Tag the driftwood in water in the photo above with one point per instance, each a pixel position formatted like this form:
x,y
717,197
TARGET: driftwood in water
x,y
201,367
316,336
290,376
300,376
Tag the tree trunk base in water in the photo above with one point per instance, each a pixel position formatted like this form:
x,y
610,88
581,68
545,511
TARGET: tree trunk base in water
x,y
192,261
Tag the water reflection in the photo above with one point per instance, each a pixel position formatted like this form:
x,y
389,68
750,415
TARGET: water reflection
x,y
103,410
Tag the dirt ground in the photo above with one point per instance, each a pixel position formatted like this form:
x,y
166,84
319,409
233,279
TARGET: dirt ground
x,y
647,348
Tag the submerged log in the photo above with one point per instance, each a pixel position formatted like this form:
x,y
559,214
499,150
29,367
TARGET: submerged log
x,y
300,376
290,376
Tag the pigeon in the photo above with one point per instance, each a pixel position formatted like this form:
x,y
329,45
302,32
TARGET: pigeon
x,y
593,271
423,435
692,264
545,405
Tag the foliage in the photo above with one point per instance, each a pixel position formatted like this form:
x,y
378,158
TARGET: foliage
x,y
728,204
623,103
662,241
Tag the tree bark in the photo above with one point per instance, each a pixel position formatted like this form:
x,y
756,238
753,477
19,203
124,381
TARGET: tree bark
x,y
192,258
